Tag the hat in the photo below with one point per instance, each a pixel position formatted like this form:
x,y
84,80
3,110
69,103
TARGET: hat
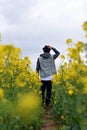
x,y
46,48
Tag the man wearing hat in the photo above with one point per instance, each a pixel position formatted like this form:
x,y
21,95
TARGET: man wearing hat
x,y
46,68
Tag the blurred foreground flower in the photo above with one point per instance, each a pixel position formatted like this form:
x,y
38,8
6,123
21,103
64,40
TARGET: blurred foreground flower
x,y
1,119
28,107
1,93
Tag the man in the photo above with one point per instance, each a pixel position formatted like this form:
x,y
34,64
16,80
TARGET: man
x,y
46,68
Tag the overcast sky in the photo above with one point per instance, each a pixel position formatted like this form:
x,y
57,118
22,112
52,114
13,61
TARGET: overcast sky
x,y
31,24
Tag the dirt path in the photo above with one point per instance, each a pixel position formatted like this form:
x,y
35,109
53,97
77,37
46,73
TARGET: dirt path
x,y
49,123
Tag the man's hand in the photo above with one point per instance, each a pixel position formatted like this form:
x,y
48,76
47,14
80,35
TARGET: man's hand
x,y
50,47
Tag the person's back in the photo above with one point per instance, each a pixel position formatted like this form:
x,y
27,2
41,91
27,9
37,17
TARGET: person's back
x,y
46,68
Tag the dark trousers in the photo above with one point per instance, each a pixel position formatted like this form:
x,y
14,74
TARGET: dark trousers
x,y
46,89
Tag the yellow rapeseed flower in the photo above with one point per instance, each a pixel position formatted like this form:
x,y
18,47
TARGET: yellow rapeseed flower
x,y
79,45
62,57
66,77
62,117
72,73
69,85
85,26
20,80
73,53
1,93
85,89
68,41
86,35
84,81
70,92
10,72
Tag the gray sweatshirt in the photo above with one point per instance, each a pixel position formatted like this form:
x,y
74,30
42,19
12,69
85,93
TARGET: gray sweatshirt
x,y
46,64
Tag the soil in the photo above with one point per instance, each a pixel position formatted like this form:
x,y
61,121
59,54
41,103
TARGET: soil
x,y
49,123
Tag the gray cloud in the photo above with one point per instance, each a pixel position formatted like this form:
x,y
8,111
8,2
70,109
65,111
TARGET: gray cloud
x,y
30,24
13,11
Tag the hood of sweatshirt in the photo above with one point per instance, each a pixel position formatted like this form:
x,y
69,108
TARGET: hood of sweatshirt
x,y
45,55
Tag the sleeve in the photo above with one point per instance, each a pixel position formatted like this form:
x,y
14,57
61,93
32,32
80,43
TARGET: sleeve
x,y
57,53
38,65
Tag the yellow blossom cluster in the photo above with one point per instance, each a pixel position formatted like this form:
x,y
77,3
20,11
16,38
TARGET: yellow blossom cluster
x,y
20,95
16,72
70,87
75,70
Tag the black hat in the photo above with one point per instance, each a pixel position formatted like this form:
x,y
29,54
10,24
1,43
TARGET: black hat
x,y
46,48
